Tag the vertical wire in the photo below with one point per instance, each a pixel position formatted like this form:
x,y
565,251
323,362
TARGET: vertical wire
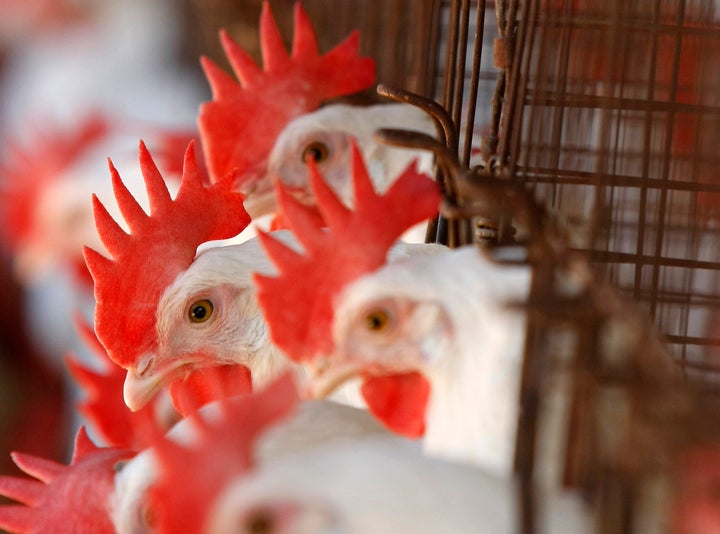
x,y
646,155
532,364
451,57
521,77
667,149
474,83
432,58
460,63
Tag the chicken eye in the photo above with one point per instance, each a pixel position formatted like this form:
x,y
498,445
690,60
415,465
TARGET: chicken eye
x,y
200,311
316,151
260,521
119,466
377,320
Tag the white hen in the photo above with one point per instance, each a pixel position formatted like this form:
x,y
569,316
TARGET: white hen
x,y
350,476
325,137
449,318
433,339
310,424
233,330
383,486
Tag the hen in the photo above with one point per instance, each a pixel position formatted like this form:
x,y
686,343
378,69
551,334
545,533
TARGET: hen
x,y
434,339
145,262
303,426
212,483
238,127
382,486
448,318
325,137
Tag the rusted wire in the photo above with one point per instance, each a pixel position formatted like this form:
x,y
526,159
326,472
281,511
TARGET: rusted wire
x,y
579,115
474,83
439,230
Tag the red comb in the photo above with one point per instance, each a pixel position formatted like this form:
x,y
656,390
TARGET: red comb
x,y
104,407
239,126
192,476
63,499
159,247
298,304
27,171
169,147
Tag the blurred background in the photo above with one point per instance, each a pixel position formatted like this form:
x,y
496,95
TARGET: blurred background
x,y
607,111
84,80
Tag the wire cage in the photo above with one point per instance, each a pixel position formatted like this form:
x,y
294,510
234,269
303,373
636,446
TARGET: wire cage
x,y
609,115
606,115
615,114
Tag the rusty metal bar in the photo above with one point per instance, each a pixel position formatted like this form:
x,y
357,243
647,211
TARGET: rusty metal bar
x,y
451,58
474,83
655,279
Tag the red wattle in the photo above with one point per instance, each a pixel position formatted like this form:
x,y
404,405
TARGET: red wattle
x,y
399,401
210,384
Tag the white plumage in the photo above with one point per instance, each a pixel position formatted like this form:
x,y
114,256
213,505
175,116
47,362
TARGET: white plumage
x,y
236,332
325,136
381,485
449,317
313,424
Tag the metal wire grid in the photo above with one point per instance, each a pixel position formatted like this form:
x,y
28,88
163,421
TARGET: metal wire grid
x,y
621,149
609,115
613,121
464,76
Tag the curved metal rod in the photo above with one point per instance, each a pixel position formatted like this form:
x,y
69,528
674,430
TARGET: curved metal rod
x,y
446,160
421,141
440,230
465,187
447,131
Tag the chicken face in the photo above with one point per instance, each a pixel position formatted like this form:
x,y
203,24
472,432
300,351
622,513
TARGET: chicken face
x,y
392,342
194,331
385,336
258,512
325,137
300,142
206,318
430,337
150,260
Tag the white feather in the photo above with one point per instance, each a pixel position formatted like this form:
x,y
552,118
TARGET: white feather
x,y
383,485
313,423
334,127
464,338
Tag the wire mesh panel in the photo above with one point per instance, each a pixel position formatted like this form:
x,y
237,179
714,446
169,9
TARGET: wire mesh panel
x,y
608,113
613,121
465,78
